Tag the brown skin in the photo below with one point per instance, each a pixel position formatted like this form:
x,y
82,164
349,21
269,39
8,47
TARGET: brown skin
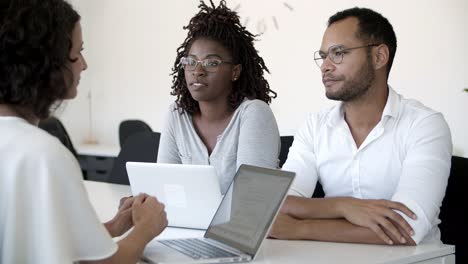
x,y
343,219
213,90
149,220
79,65
122,221
360,82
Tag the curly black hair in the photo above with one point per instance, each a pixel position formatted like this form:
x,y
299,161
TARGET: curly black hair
x,y
35,41
373,27
223,25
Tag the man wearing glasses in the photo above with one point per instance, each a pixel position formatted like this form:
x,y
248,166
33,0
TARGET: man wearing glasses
x,y
383,160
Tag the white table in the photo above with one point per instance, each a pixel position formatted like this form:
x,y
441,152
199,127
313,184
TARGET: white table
x,y
98,150
105,198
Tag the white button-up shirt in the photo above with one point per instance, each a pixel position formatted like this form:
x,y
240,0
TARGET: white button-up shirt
x,y
405,158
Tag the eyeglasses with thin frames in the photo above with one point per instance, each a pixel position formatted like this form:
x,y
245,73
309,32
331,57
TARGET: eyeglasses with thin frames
x,y
336,53
210,65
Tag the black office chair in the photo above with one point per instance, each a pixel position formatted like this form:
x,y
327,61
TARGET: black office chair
x,y
286,142
130,127
453,228
142,146
56,128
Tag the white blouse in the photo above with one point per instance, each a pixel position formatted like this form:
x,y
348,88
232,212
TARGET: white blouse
x,y
45,214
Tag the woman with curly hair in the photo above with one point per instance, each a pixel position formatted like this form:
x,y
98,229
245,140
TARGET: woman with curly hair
x,y
221,115
45,215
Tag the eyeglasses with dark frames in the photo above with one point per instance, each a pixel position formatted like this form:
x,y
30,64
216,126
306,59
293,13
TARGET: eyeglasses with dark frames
x,y
210,65
336,53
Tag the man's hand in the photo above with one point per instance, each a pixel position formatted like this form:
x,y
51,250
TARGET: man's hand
x,y
122,221
285,227
378,215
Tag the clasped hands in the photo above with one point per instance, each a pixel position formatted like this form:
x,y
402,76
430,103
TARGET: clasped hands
x,y
135,209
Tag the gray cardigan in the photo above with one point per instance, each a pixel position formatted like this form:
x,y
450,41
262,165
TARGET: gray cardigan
x,y
251,137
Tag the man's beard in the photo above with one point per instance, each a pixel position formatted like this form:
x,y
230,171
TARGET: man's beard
x,y
356,87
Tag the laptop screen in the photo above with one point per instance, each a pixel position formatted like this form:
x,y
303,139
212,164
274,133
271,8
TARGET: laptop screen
x,y
249,206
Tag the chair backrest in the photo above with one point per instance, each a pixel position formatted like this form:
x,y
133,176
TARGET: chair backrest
x,y
130,127
56,128
286,142
453,227
142,147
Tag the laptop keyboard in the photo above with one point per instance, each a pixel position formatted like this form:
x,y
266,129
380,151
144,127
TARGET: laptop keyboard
x,y
197,248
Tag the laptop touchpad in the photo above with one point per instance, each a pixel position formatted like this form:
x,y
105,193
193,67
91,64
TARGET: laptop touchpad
x,y
157,252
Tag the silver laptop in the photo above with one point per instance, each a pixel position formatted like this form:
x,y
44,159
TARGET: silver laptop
x,y
191,193
239,226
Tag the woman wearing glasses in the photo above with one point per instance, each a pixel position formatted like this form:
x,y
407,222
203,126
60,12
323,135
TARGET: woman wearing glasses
x,y
221,115
45,214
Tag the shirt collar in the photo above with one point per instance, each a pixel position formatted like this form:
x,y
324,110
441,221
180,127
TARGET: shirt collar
x,y
391,108
336,115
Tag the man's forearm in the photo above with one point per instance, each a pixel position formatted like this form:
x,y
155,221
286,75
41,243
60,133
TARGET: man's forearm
x,y
344,219
338,230
312,208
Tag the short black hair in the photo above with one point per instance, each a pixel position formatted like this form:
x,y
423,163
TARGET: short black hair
x,y
373,27
35,43
222,25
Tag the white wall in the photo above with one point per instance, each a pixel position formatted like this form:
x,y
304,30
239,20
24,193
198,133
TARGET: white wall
x,y
130,47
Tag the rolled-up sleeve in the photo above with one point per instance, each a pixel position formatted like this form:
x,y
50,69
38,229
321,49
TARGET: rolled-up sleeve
x,y
425,173
301,160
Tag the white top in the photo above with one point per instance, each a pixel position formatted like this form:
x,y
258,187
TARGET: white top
x,y
45,214
251,137
405,158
